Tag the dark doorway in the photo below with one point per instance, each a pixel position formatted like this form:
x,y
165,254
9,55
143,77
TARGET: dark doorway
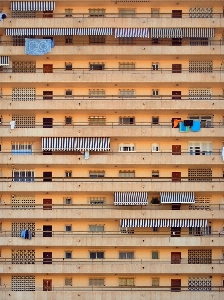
x,y
176,68
47,176
175,257
176,176
176,13
176,206
176,41
47,284
175,231
176,95
47,258
47,95
176,149
47,122
47,68
47,230
175,285
47,204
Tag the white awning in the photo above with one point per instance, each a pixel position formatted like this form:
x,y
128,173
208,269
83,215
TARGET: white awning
x,y
177,197
23,31
58,31
132,32
75,144
4,60
199,32
130,223
93,31
166,33
32,5
130,198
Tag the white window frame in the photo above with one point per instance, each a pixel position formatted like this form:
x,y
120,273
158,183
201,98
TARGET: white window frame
x,y
96,228
201,148
23,175
127,147
155,147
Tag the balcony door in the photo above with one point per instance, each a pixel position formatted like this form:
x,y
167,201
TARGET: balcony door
x,y
47,284
175,257
176,149
47,230
176,13
47,68
47,204
175,285
176,176
47,122
176,95
47,258
47,176
176,68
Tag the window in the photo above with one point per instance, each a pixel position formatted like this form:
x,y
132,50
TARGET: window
x,y
97,39
68,281
155,281
47,95
127,174
97,200
200,66
24,66
200,12
23,14
127,230
22,121
126,13
96,66
68,93
126,147
97,120
68,66
206,121
200,256
68,254
97,12
126,93
96,228
155,66
155,173
96,174
198,283
155,120
21,148
127,66
155,93
155,147
200,94
67,200
23,175
68,12
126,281
23,94
200,174
155,255
126,255
96,255
68,39
96,282
68,120
68,228
68,174
201,148
96,93
155,12
126,120
126,40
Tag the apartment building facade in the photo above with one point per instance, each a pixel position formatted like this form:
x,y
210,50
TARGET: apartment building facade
x,y
112,138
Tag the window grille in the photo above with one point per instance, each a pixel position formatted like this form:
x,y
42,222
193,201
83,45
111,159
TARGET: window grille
x,y
23,202
155,255
96,228
155,12
200,66
97,120
126,93
21,148
155,281
126,147
97,12
22,121
23,14
23,283
68,281
96,66
97,200
126,255
200,12
197,283
96,93
68,120
126,120
68,66
68,12
201,203
68,254
96,282
25,256
197,41
200,174
126,66
23,175
68,228
127,230
23,94
126,13
200,256
127,174
18,227
24,66
96,174
126,281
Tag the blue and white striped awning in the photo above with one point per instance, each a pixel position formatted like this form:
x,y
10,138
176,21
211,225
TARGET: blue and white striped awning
x,y
32,5
130,198
4,60
166,33
132,32
23,31
135,223
199,32
75,144
177,197
58,31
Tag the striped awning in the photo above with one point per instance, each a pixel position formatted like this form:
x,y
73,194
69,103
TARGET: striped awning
x,y
58,31
177,197
130,198
75,144
32,5
23,31
134,223
4,60
132,32
199,32
166,33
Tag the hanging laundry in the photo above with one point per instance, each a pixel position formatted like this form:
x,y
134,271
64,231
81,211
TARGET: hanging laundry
x,y
188,123
26,234
38,46
3,16
12,124
86,154
196,125
23,233
183,128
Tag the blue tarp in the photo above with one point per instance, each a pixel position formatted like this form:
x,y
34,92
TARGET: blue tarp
x,y
196,125
38,46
